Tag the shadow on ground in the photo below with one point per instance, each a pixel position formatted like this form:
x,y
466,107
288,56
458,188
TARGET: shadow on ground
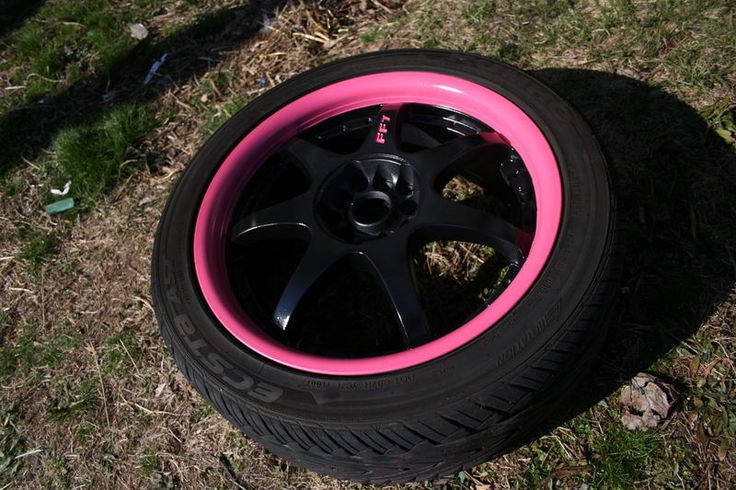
x,y
192,51
14,12
675,180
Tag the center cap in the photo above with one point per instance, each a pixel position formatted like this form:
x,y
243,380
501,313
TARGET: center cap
x,y
368,199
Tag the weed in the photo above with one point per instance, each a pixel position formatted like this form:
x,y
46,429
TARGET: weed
x,y
623,457
148,462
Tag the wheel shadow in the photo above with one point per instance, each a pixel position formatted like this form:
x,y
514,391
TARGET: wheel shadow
x,y
675,179
193,50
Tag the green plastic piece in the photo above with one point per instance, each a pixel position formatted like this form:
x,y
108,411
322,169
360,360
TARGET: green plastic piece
x,y
60,206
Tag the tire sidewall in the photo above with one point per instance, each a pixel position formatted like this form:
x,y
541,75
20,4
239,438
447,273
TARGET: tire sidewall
x,y
548,309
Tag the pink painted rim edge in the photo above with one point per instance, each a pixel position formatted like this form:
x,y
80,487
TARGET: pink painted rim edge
x,y
419,87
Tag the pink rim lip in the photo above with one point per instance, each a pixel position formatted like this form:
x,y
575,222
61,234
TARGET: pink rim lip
x,y
210,232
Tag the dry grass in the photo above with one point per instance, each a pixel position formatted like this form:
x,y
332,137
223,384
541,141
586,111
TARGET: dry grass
x,y
95,400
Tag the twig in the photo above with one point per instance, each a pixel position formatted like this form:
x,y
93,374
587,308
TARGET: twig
x,y
230,472
29,453
102,383
156,412
43,303
130,357
379,4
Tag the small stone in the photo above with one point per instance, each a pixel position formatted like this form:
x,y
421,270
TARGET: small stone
x,y
138,31
646,402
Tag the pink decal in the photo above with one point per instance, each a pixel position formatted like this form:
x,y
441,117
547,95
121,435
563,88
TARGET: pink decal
x,y
382,129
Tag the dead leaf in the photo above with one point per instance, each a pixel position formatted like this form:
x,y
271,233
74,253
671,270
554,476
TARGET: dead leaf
x,y
646,401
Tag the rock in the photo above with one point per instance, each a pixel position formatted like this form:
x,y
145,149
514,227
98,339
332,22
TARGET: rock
x,y
646,402
138,31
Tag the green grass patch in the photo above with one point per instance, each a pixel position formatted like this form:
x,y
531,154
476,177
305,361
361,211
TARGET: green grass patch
x,y
204,410
38,247
222,113
85,432
479,12
66,40
121,351
97,156
27,353
371,34
21,354
624,457
11,446
148,462
72,399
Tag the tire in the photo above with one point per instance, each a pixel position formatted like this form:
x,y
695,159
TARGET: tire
x,y
440,402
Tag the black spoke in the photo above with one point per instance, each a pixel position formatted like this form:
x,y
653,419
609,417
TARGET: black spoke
x,y
372,190
315,263
391,266
442,162
413,134
312,159
288,219
383,136
443,219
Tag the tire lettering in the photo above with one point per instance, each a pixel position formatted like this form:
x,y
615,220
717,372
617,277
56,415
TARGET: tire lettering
x,y
169,280
184,326
245,383
214,362
266,393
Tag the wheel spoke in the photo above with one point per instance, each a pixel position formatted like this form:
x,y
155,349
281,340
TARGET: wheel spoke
x,y
442,162
288,219
312,159
391,267
313,265
383,136
443,219
413,134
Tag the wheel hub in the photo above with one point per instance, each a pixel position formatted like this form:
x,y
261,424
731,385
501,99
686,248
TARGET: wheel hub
x,y
368,198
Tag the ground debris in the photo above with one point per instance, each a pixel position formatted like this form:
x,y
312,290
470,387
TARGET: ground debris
x,y
138,31
646,402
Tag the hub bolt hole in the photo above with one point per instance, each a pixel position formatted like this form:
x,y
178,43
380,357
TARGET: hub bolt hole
x,y
372,208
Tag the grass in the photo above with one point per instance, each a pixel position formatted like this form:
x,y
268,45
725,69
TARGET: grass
x,y
65,41
11,447
72,399
121,353
655,80
27,354
96,157
622,457
38,246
